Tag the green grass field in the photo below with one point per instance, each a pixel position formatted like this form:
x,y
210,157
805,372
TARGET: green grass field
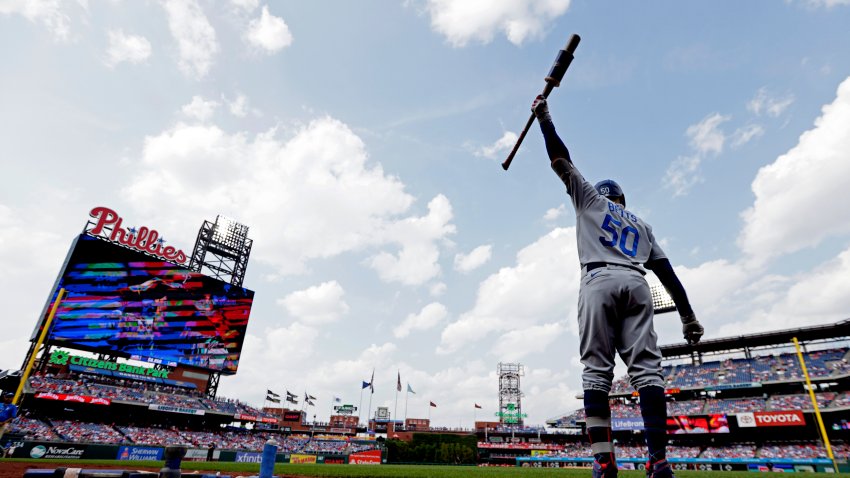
x,y
382,471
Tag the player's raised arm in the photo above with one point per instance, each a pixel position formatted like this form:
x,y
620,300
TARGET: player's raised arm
x,y
554,146
692,330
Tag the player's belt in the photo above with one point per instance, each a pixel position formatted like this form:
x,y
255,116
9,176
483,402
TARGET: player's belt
x,y
599,265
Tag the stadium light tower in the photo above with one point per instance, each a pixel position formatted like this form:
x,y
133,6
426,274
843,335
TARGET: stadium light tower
x,y
661,300
222,250
510,394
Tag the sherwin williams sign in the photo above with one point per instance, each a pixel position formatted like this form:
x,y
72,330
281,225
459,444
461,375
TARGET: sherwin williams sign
x,y
139,453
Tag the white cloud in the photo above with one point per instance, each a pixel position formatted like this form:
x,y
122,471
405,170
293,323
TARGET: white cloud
x,y
541,288
429,317
682,174
462,21
554,213
517,344
238,106
765,103
196,40
475,259
745,134
126,48
317,305
200,109
417,259
314,195
827,3
815,297
437,289
803,184
505,143
706,136
269,33
47,12
248,5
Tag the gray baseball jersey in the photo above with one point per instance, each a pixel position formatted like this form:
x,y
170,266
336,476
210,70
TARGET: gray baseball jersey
x,y
615,304
605,230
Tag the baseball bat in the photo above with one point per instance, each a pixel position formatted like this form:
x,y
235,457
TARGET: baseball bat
x,y
553,80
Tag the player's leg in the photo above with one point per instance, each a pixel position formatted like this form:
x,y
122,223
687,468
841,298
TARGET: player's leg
x,y
638,346
597,355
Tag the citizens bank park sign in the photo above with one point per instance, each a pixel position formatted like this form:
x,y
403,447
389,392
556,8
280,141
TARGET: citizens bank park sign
x,y
109,225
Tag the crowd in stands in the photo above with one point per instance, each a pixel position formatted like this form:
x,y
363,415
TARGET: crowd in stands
x,y
140,392
730,451
768,368
33,429
81,432
686,407
799,402
87,432
736,405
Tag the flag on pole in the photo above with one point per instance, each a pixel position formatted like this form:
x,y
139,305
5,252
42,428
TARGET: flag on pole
x,y
272,399
410,390
372,382
271,394
433,404
477,406
398,385
366,385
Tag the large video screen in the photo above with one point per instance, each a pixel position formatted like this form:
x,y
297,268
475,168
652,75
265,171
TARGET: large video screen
x,y
682,424
125,303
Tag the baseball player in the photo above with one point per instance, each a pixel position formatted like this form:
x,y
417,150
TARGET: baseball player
x,y
615,306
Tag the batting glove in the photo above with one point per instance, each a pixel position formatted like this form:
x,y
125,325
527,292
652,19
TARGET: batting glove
x,y
692,329
541,109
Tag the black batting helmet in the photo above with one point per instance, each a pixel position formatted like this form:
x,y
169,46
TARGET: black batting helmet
x,y
610,189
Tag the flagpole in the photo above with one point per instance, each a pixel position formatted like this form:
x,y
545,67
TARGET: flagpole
x,y
371,393
360,407
397,389
370,410
406,396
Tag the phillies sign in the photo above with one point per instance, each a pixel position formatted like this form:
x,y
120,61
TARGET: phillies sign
x,y
108,224
771,419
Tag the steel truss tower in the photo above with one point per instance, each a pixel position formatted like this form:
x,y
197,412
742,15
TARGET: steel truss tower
x,y
222,250
510,394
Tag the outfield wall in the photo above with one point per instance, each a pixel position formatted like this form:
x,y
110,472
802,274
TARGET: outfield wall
x,y
84,451
820,465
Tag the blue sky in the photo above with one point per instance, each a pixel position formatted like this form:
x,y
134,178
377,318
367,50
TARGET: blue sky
x,y
361,143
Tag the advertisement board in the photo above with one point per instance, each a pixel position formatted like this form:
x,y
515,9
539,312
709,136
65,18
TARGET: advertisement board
x,y
63,397
627,423
369,457
248,457
125,303
298,458
788,418
175,409
688,424
138,453
292,416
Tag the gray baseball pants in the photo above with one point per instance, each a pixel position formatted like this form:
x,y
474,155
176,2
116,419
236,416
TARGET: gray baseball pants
x,y
615,316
